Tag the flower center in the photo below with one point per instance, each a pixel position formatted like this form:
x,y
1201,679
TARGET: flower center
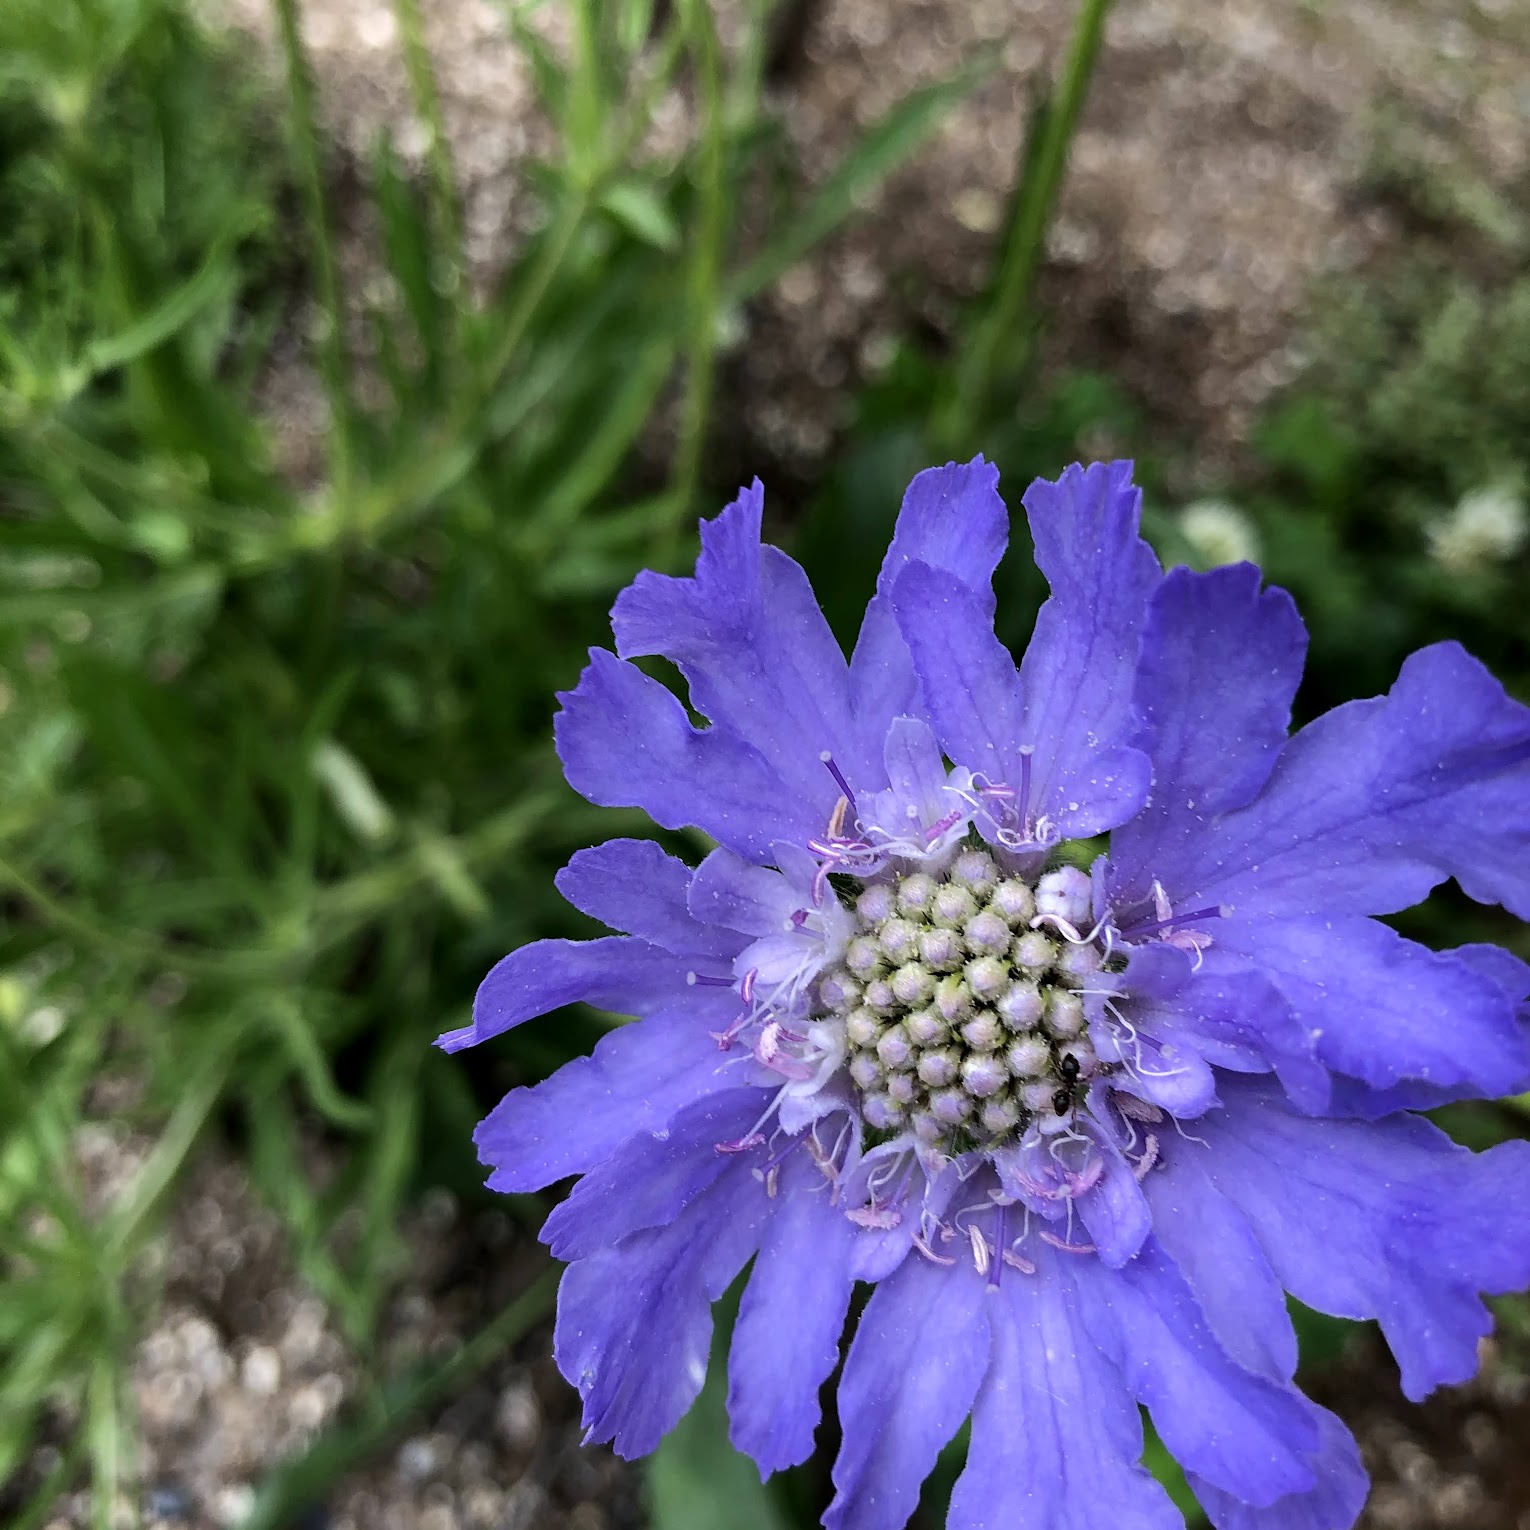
x,y
959,996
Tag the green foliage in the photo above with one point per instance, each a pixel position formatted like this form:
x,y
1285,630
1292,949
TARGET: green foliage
x,y
280,783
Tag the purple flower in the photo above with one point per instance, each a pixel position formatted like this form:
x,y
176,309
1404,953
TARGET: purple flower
x,y
1081,1128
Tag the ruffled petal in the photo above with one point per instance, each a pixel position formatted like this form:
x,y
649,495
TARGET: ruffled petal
x,y
1375,804
1221,662
636,1079
970,685
1383,1009
751,900
1219,1255
918,1356
625,741
639,1361
1241,1431
916,775
1114,1212
952,518
652,1177
633,886
1078,671
1219,1010
786,1339
1056,1439
1386,1219
751,641
616,972
1333,1503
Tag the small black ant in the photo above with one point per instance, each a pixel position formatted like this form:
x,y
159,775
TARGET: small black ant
x,y
1062,1101
1068,1067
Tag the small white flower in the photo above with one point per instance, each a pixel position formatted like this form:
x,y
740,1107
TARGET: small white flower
x,y
1218,533
1488,526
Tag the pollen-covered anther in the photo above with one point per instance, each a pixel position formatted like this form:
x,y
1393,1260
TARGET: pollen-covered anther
x,y
959,1005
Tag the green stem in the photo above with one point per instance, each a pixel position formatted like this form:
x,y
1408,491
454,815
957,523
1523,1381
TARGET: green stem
x,y
311,177
704,281
1046,163
427,102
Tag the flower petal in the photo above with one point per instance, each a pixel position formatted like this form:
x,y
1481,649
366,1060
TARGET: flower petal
x,y
1375,804
748,635
1383,1009
633,886
952,518
786,1339
1220,665
1243,1432
1334,1503
615,972
1078,671
1386,1219
1217,1252
1114,1211
751,900
1230,1016
914,1368
636,1079
969,681
653,1176
625,741
1056,1439
639,1361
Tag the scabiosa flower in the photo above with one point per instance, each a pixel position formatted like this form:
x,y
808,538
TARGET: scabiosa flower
x,y
1080,1117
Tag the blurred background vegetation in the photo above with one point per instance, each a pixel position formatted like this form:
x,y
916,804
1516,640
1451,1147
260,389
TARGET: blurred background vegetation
x,y
275,724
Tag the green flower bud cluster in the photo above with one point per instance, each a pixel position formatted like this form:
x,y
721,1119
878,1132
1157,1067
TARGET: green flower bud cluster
x,y
963,1019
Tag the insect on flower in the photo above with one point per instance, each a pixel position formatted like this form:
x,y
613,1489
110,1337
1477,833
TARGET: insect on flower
x,y
1080,1122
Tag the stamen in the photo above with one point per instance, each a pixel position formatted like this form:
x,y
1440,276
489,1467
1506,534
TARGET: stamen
x,y
1026,751
935,830
701,980
1149,1157
929,1253
741,1144
1163,924
834,770
1067,1248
